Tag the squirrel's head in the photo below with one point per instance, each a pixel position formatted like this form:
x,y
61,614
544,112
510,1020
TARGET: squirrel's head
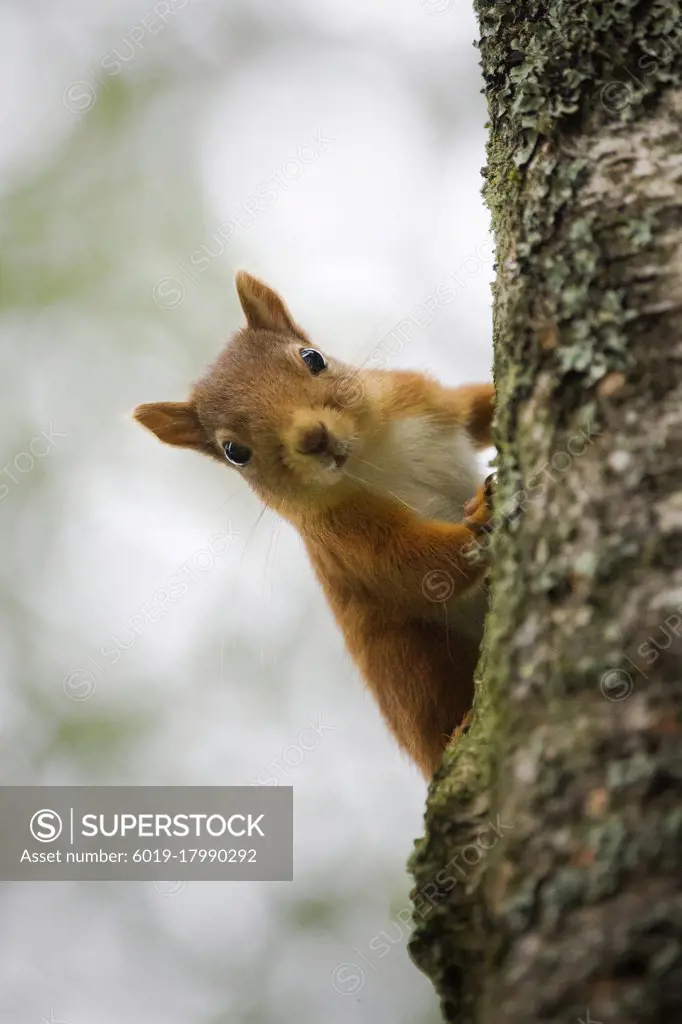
x,y
284,414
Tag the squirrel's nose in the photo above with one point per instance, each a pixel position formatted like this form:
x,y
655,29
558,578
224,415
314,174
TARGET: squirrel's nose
x,y
315,441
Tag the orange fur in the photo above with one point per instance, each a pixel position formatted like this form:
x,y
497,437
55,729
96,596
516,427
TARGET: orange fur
x,y
357,460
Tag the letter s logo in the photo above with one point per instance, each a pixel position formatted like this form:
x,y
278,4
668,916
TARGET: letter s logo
x,y
46,826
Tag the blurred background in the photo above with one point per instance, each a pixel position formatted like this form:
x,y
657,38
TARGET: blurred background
x,y
147,151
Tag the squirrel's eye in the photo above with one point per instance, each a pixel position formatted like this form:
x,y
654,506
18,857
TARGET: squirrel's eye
x,y
314,360
235,453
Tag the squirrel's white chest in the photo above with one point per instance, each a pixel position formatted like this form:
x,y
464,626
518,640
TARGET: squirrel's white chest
x,y
430,467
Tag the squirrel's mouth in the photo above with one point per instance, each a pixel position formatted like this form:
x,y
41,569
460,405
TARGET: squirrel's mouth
x,y
319,447
336,453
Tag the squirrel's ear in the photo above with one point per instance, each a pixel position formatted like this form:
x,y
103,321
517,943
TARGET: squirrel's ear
x,y
173,422
263,307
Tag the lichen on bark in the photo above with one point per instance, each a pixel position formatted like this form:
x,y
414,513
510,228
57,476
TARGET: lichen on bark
x,y
574,752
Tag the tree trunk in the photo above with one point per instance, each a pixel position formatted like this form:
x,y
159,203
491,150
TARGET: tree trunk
x,y
548,882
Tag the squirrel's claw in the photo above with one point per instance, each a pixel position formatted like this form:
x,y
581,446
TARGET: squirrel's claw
x,y
478,510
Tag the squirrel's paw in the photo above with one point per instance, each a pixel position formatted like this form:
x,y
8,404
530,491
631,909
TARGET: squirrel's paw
x,y
463,727
478,510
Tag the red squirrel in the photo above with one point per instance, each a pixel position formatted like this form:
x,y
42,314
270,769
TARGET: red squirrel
x,y
377,471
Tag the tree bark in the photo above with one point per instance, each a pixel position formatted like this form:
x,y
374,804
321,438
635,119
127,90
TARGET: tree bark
x,y
548,884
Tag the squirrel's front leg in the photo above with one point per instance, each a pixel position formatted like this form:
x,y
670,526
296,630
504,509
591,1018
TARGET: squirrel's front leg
x,y
412,565
473,405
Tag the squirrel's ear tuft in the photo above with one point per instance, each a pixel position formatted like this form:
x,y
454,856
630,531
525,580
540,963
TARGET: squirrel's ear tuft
x,y
173,422
263,307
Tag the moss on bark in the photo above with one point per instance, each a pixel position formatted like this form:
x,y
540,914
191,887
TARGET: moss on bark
x,y
573,755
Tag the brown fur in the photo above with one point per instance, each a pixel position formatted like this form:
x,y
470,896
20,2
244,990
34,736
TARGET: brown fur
x,y
371,553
